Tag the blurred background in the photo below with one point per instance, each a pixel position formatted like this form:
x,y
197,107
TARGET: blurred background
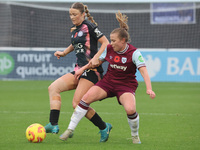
x,y
166,32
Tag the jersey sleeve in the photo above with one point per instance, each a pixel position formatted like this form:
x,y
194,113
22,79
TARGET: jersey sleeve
x,y
96,33
103,55
138,59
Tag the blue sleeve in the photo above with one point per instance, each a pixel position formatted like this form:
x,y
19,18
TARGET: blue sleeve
x,y
137,59
103,55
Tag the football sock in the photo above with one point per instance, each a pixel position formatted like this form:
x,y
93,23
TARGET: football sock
x,y
133,116
54,116
133,121
97,121
79,112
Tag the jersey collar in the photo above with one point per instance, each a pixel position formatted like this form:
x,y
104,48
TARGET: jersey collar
x,y
126,48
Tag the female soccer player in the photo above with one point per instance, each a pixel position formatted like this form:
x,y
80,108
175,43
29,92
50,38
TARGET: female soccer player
x,y
84,39
119,81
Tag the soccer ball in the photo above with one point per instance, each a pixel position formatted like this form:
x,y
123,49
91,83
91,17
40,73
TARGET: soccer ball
x,y
35,133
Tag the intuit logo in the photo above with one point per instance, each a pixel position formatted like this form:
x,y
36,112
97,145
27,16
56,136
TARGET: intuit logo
x,y
33,64
7,63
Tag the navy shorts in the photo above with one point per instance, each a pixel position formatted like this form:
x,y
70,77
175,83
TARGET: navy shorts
x,y
91,75
115,89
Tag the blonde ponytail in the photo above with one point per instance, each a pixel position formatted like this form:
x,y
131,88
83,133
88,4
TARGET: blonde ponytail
x,y
123,20
123,30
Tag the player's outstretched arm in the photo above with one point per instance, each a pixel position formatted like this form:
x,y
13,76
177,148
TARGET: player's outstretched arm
x,y
95,60
80,71
59,54
145,75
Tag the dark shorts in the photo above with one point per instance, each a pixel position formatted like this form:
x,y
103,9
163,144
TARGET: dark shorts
x,y
91,75
115,89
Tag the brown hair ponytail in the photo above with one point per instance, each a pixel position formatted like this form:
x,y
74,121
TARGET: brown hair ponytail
x,y
123,30
88,15
123,20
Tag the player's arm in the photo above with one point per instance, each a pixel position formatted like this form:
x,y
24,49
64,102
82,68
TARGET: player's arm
x,y
95,60
145,75
140,63
59,54
80,71
101,59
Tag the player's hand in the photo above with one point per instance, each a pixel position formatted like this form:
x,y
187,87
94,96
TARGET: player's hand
x,y
78,73
94,62
151,94
59,54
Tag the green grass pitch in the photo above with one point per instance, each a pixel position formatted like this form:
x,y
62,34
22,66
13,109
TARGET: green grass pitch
x,y
169,122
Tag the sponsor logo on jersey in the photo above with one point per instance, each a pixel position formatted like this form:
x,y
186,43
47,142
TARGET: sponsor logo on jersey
x,y
115,66
79,48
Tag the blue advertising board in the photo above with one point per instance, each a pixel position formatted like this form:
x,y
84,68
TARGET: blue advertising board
x,y
34,65
173,13
172,66
163,66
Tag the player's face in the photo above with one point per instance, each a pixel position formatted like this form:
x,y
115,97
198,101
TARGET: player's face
x,y
117,44
76,16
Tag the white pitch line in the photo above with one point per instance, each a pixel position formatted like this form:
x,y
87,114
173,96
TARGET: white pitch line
x,y
106,113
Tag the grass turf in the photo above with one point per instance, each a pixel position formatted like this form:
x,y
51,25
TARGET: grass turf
x,y
169,122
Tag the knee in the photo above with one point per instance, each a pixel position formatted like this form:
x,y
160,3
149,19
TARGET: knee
x,y
49,88
52,89
86,97
76,101
130,110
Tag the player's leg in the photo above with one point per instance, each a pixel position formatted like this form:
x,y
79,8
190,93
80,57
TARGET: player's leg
x,y
82,108
93,95
86,82
83,86
64,83
129,104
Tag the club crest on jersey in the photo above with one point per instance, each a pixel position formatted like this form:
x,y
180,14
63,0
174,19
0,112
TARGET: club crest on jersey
x,y
80,33
124,60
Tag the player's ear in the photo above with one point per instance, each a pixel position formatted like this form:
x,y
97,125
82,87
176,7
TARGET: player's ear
x,y
83,14
123,40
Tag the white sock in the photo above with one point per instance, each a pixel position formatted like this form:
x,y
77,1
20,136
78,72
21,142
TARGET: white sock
x,y
134,125
77,115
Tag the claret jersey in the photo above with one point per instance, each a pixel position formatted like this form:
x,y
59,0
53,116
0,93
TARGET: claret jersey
x,y
122,65
84,39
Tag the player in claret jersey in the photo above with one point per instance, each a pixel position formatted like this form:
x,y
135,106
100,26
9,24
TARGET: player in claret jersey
x,y
119,80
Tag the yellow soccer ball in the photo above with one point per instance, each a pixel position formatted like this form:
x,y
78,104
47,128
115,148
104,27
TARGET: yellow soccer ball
x,y
35,133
